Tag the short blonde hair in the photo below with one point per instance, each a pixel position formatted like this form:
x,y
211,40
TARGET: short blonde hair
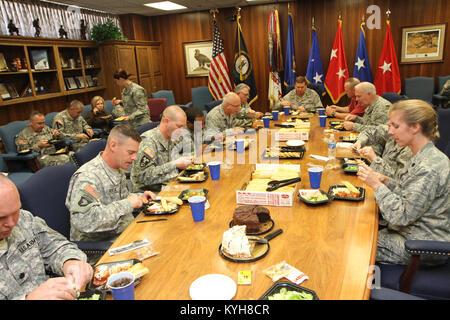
x,y
415,111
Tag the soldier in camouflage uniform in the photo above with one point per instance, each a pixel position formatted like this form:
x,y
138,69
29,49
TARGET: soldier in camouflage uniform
x,y
159,159
133,105
300,98
98,197
72,126
35,137
416,204
390,159
222,118
246,114
376,112
29,248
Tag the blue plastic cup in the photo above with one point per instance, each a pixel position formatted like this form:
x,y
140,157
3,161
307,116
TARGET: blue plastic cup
x,y
266,121
323,121
240,145
123,292
275,115
214,170
197,204
315,177
321,111
287,110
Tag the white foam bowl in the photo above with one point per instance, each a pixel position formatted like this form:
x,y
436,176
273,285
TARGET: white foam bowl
x,y
295,143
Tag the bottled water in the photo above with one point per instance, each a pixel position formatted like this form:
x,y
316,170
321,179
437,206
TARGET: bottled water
x,y
331,147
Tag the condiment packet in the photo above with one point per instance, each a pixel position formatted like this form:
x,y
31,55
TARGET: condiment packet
x,y
146,252
245,277
282,269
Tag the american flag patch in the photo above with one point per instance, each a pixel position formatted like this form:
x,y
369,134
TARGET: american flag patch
x,y
149,152
90,189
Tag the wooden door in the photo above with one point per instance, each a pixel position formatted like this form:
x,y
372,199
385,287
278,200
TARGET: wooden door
x,y
126,59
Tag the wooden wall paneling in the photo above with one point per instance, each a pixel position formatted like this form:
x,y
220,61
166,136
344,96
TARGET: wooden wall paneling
x,y
173,30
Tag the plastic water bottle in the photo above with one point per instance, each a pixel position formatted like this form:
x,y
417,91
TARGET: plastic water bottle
x,y
331,147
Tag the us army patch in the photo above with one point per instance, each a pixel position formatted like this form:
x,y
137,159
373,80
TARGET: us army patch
x,y
90,190
149,152
84,201
144,161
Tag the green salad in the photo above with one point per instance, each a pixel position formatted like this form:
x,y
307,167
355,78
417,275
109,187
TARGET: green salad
x,y
285,294
315,196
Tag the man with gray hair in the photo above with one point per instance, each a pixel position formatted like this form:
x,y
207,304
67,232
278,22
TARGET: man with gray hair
x,y
158,158
246,114
376,112
73,126
36,137
222,118
98,198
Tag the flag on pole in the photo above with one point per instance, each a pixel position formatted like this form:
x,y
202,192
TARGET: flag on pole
x,y
314,71
387,77
243,71
337,72
274,54
218,79
361,70
289,65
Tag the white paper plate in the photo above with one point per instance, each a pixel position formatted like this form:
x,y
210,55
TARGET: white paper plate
x,y
295,143
213,287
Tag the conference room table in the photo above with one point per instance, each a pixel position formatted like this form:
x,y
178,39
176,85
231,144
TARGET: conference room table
x,y
333,244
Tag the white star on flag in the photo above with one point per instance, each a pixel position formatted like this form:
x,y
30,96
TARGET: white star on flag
x,y
333,53
318,77
341,73
386,67
360,63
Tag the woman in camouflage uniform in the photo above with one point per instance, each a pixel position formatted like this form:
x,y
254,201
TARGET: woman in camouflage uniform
x,y
416,204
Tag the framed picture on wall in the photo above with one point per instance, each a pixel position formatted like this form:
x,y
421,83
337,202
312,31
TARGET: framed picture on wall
x,y
423,44
197,57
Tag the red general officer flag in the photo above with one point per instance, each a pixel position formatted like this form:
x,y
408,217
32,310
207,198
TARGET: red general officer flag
x,y
337,72
387,78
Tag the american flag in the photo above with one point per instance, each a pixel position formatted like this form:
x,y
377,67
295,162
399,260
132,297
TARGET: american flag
x,y
218,81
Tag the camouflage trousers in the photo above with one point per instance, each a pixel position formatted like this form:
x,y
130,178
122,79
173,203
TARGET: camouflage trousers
x,y
47,160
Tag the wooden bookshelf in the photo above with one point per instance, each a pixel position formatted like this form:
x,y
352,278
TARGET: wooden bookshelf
x,y
37,67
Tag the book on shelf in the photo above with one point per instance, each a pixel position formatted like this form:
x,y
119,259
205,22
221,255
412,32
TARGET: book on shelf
x,y
71,84
12,90
3,65
4,93
89,81
80,82
39,59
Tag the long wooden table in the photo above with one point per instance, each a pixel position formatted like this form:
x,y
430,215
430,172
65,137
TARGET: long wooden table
x,y
333,244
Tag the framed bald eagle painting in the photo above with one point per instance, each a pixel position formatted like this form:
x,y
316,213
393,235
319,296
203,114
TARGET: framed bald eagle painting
x,y
197,57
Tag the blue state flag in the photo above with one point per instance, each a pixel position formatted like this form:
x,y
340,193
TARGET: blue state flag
x,y
361,70
289,64
314,72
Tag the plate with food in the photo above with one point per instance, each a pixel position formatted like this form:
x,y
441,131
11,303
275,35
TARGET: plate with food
x,y
256,219
104,270
193,176
314,197
60,151
196,167
186,194
285,290
24,151
347,191
352,137
92,295
236,246
351,165
284,152
119,119
168,205
337,125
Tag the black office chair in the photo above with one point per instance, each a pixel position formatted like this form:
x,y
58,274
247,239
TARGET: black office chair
x,y
44,195
211,105
393,97
147,126
428,282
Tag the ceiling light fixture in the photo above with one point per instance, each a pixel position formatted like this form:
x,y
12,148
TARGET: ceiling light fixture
x,y
165,5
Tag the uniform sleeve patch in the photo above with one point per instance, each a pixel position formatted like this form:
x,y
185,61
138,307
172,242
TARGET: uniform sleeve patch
x,y
90,189
149,152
